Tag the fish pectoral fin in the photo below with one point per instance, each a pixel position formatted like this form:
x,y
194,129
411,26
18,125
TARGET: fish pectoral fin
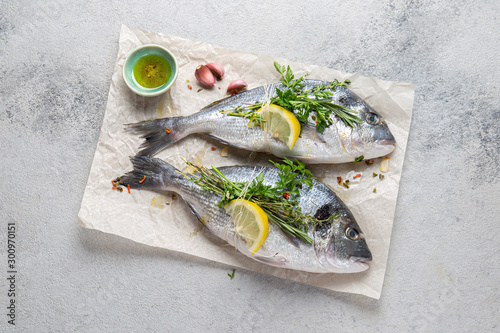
x,y
309,131
273,260
276,260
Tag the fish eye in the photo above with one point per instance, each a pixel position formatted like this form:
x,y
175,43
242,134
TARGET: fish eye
x,y
372,118
352,233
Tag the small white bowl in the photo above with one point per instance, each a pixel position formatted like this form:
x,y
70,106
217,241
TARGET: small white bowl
x,y
141,51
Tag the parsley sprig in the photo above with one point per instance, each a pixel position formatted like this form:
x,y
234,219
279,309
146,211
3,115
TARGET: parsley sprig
x,y
302,102
280,201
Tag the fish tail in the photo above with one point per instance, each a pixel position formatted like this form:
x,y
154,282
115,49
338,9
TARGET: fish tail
x,y
158,134
148,173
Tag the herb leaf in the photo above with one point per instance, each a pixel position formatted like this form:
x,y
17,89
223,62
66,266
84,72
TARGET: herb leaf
x,y
359,159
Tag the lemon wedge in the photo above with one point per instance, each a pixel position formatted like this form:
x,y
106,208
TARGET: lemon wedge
x,y
279,123
250,222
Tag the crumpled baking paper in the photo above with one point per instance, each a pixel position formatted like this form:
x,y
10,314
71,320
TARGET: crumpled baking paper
x,y
162,220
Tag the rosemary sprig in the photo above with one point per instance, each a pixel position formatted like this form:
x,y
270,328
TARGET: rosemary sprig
x,y
280,201
302,102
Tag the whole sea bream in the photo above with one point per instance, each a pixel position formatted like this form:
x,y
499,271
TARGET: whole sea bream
x,y
338,244
338,143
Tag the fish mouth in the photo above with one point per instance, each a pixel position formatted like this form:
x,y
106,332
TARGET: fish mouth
x,y
358,264
386,142
381,147
360,259
351,265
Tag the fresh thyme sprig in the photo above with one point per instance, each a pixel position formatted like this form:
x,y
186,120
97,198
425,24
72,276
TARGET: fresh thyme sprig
x,y
280,201
302,102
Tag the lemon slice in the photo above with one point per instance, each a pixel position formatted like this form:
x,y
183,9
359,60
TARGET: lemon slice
x,y
279,123
250,222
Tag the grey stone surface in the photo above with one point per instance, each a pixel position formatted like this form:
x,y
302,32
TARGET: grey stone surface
x,y
56,61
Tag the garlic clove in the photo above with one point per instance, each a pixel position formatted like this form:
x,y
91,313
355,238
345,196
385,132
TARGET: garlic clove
x,y
384,165
236,85
204,76
223,152
216,69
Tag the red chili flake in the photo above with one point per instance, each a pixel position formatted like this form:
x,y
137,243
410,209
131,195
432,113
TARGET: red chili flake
x,y
369,162
167,130
357,176
189,86
213,148
286,195
128,187
142,181
339,180
114,187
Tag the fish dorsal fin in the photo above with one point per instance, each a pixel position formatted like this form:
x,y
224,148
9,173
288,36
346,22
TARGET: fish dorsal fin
x,y
212,104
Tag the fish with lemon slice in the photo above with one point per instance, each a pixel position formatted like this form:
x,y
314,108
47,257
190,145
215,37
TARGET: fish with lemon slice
x,y
342,128
337,244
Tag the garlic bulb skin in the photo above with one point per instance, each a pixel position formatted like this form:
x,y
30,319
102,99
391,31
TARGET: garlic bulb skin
x,y
216,69
236,85
204,76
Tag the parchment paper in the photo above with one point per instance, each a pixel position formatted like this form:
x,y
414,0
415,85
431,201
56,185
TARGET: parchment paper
x,y
162,221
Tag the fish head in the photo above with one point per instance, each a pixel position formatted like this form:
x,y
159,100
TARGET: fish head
x,y
340,244
371,138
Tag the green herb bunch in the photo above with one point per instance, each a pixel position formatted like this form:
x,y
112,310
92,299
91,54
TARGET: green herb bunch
x,y
304,101
280,201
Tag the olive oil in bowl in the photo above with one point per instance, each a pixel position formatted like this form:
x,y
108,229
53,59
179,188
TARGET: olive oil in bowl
x,y
152,71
